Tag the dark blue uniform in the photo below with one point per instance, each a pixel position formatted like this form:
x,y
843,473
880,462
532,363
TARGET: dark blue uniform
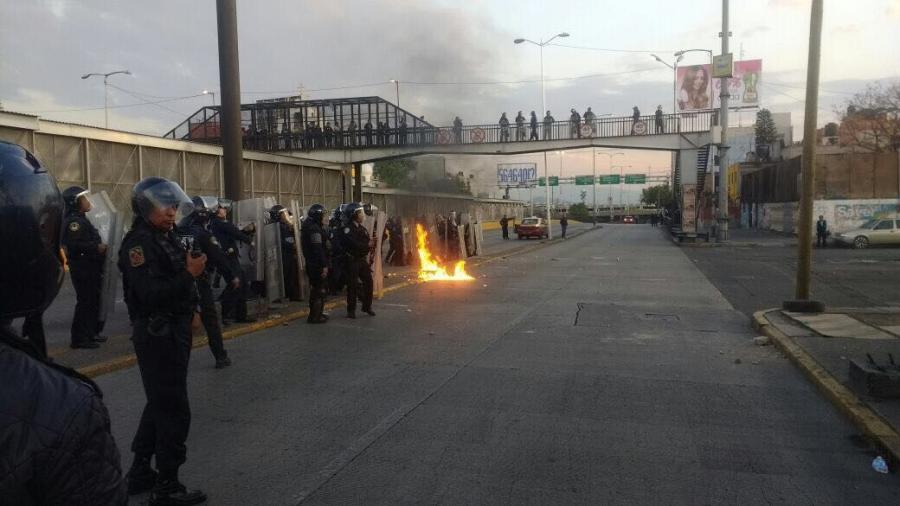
x,y
289,261
81,240
355,239
313,240
234,300
162,297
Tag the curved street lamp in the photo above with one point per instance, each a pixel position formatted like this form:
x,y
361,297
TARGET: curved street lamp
x,y
106,90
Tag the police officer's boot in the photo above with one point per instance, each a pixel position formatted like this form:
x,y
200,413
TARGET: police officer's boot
x,y
141,477
170,492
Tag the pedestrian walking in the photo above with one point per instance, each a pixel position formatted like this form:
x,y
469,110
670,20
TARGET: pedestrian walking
x,y
659,119
534,127
563,225
575,124
159,280
821,232
589,119
504,128
504,226
86,253
312,241
196,236
55,438
357,245
548,126
520,127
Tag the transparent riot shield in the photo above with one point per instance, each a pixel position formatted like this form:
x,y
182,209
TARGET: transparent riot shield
x,y
299,212
107,220
249,213
378,258
273,275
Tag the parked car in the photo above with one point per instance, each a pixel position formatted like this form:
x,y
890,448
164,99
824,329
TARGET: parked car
x,y
531,227
878,231
628,219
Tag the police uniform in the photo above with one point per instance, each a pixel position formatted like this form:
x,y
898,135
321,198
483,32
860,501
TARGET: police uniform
x,y
195,231
289,261
312,241
81,240
162,297
234,300
336,274
358,271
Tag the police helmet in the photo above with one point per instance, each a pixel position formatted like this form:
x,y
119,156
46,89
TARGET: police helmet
x,y
225,204
316,212
275,211
31,213
153,193
71,195
351,209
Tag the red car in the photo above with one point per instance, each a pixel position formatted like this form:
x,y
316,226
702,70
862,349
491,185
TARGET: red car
x,y
531,227
628,219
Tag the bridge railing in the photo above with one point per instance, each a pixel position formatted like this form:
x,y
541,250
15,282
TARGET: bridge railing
x,y
206,129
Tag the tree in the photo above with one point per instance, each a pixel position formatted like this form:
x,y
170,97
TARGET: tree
x,y
395,173
871,118
579,212
765,130
659,195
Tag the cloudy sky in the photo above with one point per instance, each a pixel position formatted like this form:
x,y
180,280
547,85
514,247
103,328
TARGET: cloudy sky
x,y
451,57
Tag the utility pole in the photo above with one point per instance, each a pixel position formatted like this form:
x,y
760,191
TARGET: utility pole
x,y
722,229
230,89
808,166
594,186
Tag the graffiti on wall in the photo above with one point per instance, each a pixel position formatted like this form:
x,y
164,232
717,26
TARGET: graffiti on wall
x,y
842,215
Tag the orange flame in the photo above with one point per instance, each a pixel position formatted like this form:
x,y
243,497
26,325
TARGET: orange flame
x,y
430,268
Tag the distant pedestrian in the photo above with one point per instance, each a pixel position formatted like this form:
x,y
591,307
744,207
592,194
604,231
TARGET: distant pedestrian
x,y
457,130
402,132
548,126
504,226
520,127
575,124
329,135
368,130
504,128
821,232
353,132
563,225
659,119
635,118
534,127
589,119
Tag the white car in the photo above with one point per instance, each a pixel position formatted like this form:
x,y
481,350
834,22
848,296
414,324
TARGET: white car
x,y
878,231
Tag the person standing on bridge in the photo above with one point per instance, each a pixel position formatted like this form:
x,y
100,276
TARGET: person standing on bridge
x,y
402,131
457,130
589,118
368,131
520,127
548,126
504,128
352,130
329,135
575,122
635,118
659,119
534,127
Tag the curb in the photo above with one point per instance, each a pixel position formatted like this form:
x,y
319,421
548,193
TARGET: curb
x,y
873,425
130,359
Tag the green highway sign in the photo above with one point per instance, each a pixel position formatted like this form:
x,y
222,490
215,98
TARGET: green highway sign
x,y
635,178
584,180
611,179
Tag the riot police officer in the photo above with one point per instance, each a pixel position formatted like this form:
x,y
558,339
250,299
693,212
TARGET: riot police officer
x,y
55,440
312,240
159,281
279,214
86,253
234,299
335,231
194,230
357,244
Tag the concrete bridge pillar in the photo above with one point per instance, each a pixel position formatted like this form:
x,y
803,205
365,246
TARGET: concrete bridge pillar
x,y
689,192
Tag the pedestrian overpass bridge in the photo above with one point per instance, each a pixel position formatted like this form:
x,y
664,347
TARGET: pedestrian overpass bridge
x,y
366,129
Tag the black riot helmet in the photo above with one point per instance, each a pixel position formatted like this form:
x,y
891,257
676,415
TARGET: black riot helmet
x,y
275,212
31,213
351,209
204,207
71,195
153,193
316,212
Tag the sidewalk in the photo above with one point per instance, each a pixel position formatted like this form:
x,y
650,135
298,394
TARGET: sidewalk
x,y
823,345
117,352
748,238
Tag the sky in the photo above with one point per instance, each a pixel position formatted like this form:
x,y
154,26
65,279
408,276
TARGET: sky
x,y
448,56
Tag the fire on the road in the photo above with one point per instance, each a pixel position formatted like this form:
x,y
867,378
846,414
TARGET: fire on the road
x,y
430,268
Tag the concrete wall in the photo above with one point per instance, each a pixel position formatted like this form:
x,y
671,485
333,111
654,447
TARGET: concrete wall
x,y
842,215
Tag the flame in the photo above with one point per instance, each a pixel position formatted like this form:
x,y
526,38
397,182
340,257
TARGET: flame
x,y
430,268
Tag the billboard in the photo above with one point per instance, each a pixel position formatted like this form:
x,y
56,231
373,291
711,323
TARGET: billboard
x,y
516,173
696,90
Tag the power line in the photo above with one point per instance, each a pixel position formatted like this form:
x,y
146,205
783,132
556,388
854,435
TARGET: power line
x,y
123,106
613,50
169,109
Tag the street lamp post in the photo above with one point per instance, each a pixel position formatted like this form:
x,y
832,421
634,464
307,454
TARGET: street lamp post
x,y
541,45
610,155
397,90
208,92
621,183
106,91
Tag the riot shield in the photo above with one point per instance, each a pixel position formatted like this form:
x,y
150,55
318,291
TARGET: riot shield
x,y
301,262
461,235
107,220
245,213
378,265
273,275
479,240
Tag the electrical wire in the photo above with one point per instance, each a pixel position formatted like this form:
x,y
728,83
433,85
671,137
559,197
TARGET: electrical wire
x,y
122,106
612,50
169,109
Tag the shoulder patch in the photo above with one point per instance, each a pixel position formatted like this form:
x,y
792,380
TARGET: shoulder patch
x,y
316,238
136,256
74,226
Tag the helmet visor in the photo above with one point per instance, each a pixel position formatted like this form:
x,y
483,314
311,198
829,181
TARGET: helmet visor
x,y
210,203
165,195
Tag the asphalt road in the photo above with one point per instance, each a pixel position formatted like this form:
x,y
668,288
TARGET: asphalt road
x,y
605,369
755,278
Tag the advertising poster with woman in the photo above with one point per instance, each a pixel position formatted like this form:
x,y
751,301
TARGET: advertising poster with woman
x,y
696,91
693,88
